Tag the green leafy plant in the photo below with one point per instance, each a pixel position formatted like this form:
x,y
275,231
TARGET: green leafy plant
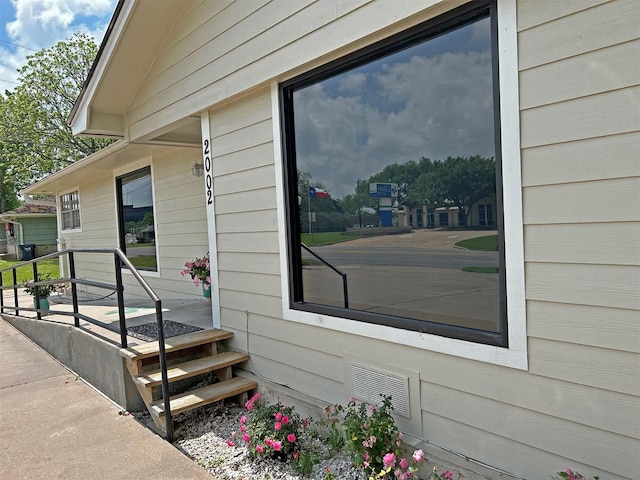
x,y
568,474
436,475
371,436
274,431
43,290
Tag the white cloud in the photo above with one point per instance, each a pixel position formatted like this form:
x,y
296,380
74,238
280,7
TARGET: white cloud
x,y
431,106
40,24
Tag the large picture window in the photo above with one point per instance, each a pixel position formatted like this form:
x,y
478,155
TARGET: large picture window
x,y
137,224
374,140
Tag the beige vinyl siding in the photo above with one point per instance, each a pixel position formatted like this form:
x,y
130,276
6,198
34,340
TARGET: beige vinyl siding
x,y
98,229
181,227
244,44
579,77
246,219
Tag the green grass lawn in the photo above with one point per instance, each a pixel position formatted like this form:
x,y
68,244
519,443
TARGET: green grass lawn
x,y
26,273
480,269
488,243
326,238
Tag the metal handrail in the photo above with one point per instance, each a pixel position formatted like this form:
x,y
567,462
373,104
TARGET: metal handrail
x,y
121,261
345,292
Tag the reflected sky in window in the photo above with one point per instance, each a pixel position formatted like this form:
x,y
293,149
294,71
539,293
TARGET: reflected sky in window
x,y
429,100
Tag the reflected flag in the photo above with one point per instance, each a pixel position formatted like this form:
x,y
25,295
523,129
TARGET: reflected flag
x,y
315,192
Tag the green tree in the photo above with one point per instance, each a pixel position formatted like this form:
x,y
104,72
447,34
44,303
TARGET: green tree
x,y
457,181
405,175
9,152
35,138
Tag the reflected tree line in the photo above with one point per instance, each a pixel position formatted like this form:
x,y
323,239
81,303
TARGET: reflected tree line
x,y
453,182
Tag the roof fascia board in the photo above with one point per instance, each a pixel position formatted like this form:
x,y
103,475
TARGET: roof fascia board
x,y
79,118
120,145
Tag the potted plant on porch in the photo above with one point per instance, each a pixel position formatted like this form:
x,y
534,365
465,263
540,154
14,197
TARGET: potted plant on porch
x,y
44,291
200,273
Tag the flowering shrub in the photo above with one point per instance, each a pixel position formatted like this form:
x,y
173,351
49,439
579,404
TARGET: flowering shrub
x,y
273,430
199,271
373,439
570,475
44,290
436,475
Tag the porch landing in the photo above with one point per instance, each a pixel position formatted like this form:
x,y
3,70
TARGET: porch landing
x,y
195,313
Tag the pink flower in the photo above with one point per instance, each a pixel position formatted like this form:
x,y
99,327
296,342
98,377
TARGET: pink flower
x,y
259,448
230,443
296,455
249,406
418,456
404,464
269,442
243,419
285,419
246,438
277,426
243,428
400,475
389,460
448,475
255,398
277,445
291,437
373,408
278,416
206,286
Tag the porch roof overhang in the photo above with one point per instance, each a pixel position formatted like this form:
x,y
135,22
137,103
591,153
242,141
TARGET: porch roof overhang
x,y
135,33
103,162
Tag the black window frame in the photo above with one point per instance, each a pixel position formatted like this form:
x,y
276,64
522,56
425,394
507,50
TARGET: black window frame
x,y
139,173
433,28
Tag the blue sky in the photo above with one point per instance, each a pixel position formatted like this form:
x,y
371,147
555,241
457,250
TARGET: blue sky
x,y
38,24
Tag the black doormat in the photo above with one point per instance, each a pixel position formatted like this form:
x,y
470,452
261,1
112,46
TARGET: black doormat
x,y
149,331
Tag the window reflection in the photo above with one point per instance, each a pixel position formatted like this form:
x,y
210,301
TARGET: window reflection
x,y
137,232
398,157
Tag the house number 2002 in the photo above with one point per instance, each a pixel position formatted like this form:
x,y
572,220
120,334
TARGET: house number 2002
x,y
206,153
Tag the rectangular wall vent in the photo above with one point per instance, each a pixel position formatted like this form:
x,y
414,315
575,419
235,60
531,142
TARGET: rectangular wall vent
x,y
369,385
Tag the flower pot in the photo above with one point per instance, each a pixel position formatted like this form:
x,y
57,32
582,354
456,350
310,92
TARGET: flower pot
x,y
44,304
206,293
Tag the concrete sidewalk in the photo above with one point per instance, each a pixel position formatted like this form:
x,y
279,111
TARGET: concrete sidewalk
x,y
53,425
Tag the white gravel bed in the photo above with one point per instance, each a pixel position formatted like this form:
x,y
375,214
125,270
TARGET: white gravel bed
x,y
203,436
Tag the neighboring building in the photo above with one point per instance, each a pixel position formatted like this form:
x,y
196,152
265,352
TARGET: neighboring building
x,y
531,370
30,225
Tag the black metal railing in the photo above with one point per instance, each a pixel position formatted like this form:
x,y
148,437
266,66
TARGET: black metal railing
x,y
345,291
120,262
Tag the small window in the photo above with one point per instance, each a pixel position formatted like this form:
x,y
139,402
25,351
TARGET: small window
x,y
137,223
411,122
70,210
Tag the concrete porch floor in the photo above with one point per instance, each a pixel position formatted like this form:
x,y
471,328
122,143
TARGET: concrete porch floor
x,y
196,313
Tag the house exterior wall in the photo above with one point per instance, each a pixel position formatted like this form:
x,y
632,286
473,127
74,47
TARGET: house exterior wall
x,y
40,231
181,227
558,413
575,404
